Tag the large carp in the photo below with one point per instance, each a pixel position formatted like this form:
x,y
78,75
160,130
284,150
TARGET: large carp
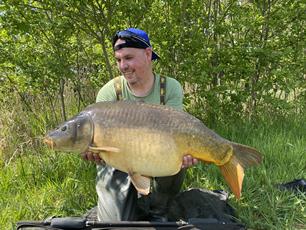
x,y
147,140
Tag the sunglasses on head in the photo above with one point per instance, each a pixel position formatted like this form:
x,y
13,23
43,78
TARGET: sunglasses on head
x,y
129,36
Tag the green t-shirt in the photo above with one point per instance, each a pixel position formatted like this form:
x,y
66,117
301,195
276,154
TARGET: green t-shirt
x,y
173,97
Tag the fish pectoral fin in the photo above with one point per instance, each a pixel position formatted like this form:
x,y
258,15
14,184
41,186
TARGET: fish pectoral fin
x,y
104,149
141,183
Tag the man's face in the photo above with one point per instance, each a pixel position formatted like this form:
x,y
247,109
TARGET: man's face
x,y
133,63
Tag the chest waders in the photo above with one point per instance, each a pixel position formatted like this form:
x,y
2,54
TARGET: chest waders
x,y
154,206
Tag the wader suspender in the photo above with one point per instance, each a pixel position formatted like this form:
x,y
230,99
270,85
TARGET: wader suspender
x,y
162,82
118,90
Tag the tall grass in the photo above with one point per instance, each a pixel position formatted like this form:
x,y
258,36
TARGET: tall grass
x,y
36,187
37,183
263,205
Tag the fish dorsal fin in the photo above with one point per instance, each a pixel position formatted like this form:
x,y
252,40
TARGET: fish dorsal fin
x,y
141,183
104,149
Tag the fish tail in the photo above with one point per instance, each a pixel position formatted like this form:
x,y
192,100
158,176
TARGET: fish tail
x,y
233,170
246,155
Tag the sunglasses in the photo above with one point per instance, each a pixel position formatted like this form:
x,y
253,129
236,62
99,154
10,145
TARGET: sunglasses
x,y
129,36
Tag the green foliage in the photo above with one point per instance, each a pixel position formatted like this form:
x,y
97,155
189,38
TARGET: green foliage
x,y
235,58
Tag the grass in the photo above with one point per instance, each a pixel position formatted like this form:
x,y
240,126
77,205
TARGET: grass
x,y
263,205
37,183
39,186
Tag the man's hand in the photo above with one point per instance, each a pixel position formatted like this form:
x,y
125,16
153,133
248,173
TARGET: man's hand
x,y
93,157
189,161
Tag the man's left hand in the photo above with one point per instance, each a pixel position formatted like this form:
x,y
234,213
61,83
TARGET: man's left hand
x,y
189,161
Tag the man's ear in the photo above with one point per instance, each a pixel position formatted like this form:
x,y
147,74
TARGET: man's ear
x,y
149,53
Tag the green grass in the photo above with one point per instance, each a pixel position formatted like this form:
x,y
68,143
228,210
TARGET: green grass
x,y
35,187
263,205
38,183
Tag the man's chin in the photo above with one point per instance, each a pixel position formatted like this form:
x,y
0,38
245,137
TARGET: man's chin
x,y
131,80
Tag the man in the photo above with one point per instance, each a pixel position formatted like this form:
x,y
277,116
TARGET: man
x,y
117,198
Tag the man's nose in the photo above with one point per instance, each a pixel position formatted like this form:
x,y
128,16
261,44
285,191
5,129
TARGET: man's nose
x,y
123,65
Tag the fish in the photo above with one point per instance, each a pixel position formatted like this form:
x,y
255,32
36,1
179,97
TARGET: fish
x,y
149,140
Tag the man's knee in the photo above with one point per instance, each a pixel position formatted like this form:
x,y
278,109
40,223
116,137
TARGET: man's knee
x,y
170,184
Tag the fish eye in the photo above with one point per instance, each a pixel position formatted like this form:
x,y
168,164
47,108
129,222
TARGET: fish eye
x,y
64,128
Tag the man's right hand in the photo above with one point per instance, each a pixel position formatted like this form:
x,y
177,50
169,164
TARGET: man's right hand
x,y
93,157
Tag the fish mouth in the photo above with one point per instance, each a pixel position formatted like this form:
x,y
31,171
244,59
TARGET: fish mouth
x,y
49,142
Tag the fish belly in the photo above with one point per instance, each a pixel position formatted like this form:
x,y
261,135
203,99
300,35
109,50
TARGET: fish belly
x,y
204,147
144,151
